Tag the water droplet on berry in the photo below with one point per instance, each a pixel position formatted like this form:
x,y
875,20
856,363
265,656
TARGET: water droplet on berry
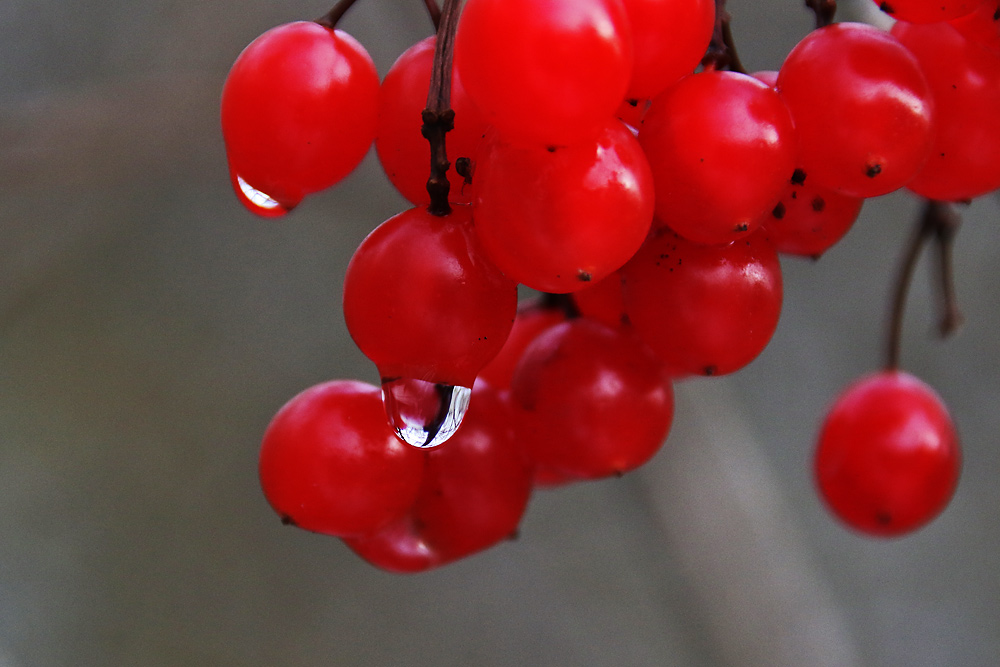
x,y
256,201
424,414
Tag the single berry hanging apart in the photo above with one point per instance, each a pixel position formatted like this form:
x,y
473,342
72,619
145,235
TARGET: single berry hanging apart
x,y
888,459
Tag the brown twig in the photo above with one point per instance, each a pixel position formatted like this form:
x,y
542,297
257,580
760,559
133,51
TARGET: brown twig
x,y
434,12
824,10
332,17
939,222
438,117
721,53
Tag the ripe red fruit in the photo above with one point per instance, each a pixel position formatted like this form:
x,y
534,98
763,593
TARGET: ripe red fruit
x,y
888,458
558,219
670,38
982,27
809,219
703,309
476,487
545,73
425,305
533,317
927,11
862,109
402,150
329,462
593,401
701,136
602,301
474,492
964,81
298,114
422,301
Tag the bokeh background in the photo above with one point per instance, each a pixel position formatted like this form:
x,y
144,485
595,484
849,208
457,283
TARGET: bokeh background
x,y
150,327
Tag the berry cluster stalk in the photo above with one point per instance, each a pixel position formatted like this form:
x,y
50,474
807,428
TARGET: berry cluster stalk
x,y
824,10
721,53
940,222
438,117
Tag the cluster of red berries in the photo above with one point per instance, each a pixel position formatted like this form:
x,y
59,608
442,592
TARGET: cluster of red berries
x,y
647,191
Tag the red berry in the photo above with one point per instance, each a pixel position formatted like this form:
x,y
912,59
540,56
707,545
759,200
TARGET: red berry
x,y
545,73
398,547
557,219
594,401
602,301
701,136
533,317
476,487
888,458
298,114
809,219
861,106
422,301
329,462
703,309
670,38
425,305
927,11
474,492
982,26
964,82
403,151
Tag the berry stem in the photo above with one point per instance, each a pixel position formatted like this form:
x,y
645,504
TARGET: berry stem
x,y
824,10
332,17
438,117
563,303
939,222
434,12
944,235
721,54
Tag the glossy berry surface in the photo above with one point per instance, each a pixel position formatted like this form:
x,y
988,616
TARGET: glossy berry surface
x,y
669,37
329,462
557,219
809,219
888,457
422,301
703,309
545,73
593,401
298,114
862,109
964,80
700,136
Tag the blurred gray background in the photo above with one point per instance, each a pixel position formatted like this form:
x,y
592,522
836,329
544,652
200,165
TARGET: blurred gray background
x,y
150,327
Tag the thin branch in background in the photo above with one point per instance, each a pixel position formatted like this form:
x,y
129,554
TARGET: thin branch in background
x,y
939,222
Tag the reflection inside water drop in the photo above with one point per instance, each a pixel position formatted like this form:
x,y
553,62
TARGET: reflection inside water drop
x,y
424,414
257,201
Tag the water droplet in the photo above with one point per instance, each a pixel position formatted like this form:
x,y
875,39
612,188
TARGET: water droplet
x,y
424,414
256,201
